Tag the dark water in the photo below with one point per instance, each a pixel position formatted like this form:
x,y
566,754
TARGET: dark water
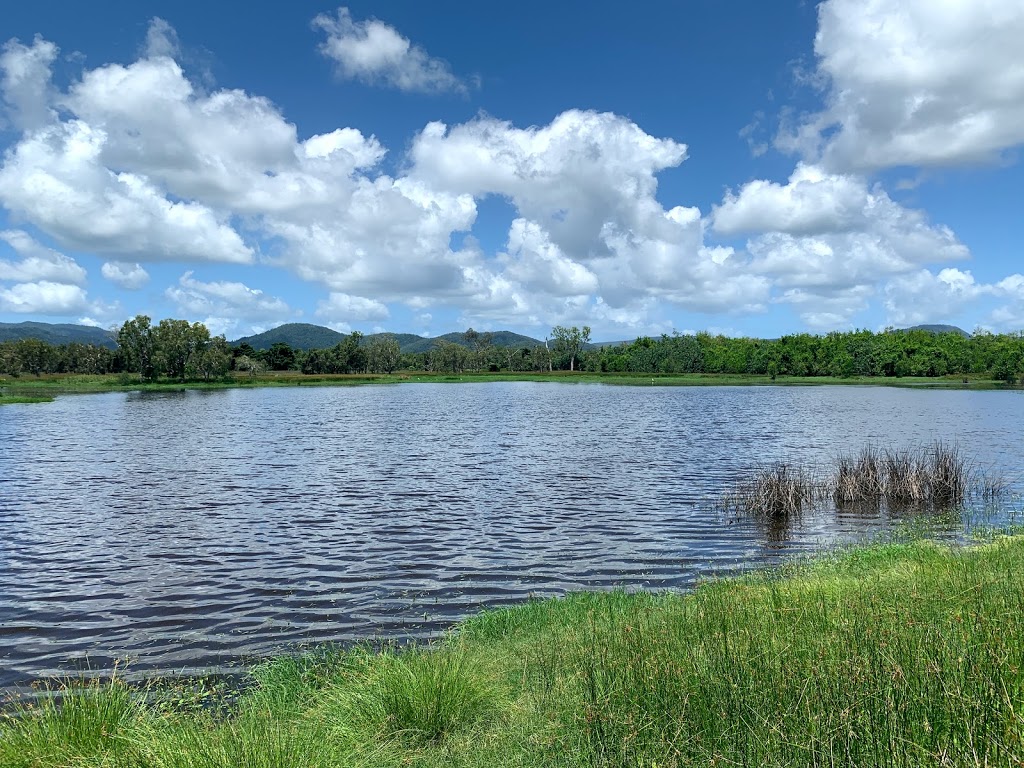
x,y
189,530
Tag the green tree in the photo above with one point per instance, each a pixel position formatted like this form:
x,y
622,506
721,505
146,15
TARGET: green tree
x,y
479,344
135,343
448,356
177,345
280,357
571,342
36,356
384,353
250,365
210,359
10,360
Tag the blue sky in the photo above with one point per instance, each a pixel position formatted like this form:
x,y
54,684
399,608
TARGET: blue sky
x,y
742,167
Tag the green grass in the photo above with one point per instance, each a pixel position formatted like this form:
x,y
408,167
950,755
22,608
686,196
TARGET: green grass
x,y
12,400
34,389
899,654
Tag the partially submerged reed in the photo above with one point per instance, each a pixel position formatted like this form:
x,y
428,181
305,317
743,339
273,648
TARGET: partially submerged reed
x,y
935,476
779,491
927,478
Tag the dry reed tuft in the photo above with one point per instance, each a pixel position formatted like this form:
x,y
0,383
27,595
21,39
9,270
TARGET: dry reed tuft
x,y
935,476
779,491
928,478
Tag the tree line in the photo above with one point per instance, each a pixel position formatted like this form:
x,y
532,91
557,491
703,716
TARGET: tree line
x,y
182,351
890,353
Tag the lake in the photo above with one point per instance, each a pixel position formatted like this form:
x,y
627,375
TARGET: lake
x,y
189,531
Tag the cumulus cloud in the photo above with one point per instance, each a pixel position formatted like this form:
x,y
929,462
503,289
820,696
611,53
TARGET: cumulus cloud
x,y
1009,316
134,163
343,308
226,301
826,240
43,298
140,166
37,262
128,276
572,176
914,82
375,53
584,188
539,265
161,40
930,297
25,82
813,202
927,297
57,179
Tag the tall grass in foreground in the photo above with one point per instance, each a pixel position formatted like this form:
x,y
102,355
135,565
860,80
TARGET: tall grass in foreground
x,y
894,655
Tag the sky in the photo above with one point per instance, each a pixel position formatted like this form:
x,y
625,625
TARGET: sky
x,y
734,166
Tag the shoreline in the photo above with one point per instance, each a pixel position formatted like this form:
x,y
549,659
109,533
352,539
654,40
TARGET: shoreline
x,y
909,651
31,389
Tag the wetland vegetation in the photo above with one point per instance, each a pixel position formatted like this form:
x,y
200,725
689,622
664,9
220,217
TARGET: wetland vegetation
x,y
898,654
175,352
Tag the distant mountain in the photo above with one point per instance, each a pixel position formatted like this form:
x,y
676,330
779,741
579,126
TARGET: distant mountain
x,y
501,339
295,335
307,336
940,329
407,342
56,334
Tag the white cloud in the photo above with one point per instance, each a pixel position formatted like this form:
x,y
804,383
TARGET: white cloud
x,y
915,82
43,298
540,266
161,40
56,178
141,166
813,202
37,261
588,220
25,83
926,297
230,150
135,163
374,52
572,176
343,308
826,240
128,276
224,301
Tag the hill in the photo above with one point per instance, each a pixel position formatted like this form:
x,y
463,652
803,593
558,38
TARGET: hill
x,y
307,336
58,333
502,339
295,335
938,328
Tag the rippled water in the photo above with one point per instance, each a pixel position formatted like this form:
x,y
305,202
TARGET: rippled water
x,y
189,530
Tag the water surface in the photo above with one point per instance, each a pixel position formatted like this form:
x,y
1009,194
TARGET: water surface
x,y
190,530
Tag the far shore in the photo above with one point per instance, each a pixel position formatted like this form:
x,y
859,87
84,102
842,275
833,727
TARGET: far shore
x,y
44,388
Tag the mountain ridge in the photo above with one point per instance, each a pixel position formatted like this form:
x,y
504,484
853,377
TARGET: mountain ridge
x,y
309,336
58,333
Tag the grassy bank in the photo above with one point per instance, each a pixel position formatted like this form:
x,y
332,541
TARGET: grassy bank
x,y
29,389
893,655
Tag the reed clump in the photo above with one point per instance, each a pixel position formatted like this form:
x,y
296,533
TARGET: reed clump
x,y
933,477
778,491
936,476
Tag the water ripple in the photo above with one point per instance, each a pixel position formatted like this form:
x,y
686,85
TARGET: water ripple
x,y
190,530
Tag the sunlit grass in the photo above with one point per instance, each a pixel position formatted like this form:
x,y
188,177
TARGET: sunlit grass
x,y
900,654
